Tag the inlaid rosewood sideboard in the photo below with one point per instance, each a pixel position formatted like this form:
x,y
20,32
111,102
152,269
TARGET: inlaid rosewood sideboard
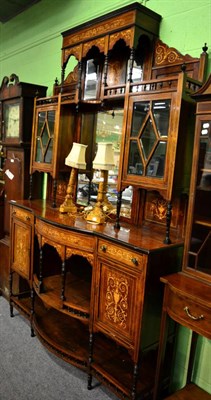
x,y
92,292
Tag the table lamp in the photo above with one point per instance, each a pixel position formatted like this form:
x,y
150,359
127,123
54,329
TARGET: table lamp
x,y
76,160
104,161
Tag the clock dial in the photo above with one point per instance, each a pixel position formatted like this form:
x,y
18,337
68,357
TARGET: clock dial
x,y
11,120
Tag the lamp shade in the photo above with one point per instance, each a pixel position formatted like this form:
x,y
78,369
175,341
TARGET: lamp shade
x,y
104,158
76,157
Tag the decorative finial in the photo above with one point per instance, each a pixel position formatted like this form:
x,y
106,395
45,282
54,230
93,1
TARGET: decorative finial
x,y
205,48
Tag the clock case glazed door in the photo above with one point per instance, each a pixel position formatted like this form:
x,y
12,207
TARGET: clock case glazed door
x,y
11,121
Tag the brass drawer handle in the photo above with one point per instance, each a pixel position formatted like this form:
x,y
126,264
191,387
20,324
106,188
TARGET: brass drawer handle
x,y
28,218
186,309
14,213
134,261
103,247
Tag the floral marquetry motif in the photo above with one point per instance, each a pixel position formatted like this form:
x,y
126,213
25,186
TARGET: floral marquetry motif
x,y
126,35
70,252
98,30
159,208
99,43
21,254
73,51
165,54
63,237
60,249
117,299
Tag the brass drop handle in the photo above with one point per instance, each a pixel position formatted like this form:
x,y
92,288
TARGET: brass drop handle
x,y
103,247
134,261
28,218
186,309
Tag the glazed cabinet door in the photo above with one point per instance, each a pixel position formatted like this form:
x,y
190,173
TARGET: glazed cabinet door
x,y
198,241
150,151
45,137
21,242
120,294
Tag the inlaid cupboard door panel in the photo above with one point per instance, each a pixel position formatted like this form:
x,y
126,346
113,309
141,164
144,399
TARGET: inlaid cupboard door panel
x,y
21,245
120,293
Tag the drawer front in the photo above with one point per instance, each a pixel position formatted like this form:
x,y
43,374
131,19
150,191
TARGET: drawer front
x,y
64,237
121,254
23,215
189,312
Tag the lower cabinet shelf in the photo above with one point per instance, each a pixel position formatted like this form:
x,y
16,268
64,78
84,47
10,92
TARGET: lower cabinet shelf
x,y
66,337
112,365
190,392
22,304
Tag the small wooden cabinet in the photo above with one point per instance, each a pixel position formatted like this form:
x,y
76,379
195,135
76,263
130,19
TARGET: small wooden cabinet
x,y
187,296
198,239
188,302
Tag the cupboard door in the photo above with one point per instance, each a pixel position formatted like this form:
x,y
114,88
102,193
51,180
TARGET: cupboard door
x,y
44,138
21,248
120,295
152,134
197,246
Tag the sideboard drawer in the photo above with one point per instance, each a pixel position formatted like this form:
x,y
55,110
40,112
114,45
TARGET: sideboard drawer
x,y
23,215
65,237
121,254
189,312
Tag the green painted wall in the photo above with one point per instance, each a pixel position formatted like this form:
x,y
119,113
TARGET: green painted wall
x,y
30,46
30,43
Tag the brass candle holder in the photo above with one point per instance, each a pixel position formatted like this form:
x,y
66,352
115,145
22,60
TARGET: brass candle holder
x,y
76,160
104,161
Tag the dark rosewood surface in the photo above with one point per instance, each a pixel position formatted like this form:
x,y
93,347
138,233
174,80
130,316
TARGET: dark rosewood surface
x,y
147,238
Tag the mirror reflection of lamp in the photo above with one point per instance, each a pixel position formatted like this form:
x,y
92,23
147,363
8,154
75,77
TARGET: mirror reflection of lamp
x,y
76,160
104,161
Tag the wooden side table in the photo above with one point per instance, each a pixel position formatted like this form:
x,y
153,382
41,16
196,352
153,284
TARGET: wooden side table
x,y
188,302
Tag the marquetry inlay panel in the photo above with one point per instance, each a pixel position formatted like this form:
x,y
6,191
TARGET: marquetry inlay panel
x,y
121,254
126,35
116,301
78,252
59,248
21,249
75,51
99,29
64,237
120,299
100,43
24,215
165,55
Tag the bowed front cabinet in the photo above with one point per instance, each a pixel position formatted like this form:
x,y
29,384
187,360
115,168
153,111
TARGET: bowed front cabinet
x,y
94,297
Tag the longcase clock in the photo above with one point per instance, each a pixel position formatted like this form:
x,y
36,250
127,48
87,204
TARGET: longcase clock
x,y
16,114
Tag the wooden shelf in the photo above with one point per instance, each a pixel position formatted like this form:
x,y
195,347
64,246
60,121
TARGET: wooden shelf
x,y
111,362
77,295
65,337
203,221
190,392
